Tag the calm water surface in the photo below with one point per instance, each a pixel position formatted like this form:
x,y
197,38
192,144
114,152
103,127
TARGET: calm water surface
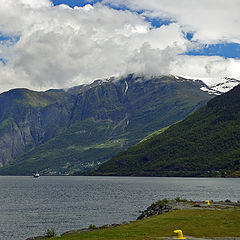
x,y
28,206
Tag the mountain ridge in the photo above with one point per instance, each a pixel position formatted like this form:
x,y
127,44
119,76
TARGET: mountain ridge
x,y
206,143
121,112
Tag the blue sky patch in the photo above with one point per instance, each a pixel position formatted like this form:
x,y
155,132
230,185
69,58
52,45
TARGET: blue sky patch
x,y
227,50
73,3
4,38
8,39
3,61
189,36
158,22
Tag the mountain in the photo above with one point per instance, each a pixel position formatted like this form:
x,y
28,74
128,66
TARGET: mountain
x,y
206,143
58,132
218,86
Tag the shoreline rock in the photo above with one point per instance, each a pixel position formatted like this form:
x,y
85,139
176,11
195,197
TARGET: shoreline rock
x,y
154,209
157,208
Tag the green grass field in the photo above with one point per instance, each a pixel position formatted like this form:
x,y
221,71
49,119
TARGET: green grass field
x,y
207,223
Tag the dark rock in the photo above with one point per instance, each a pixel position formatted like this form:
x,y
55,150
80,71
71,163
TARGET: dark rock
x,y
154,209
115,224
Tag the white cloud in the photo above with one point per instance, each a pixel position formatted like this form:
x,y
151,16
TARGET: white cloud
x,y
61,47
152,62
201,67
211,20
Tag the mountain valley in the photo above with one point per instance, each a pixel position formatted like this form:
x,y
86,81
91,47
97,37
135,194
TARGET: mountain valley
x,y
64,131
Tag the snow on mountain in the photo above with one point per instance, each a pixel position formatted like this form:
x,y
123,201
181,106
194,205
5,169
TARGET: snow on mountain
x,y
216,86
219,86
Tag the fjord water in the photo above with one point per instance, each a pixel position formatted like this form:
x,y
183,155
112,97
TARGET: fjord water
x,y
28,206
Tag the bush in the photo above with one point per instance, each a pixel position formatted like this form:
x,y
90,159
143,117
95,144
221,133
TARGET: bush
x,y
92,226
51,233
162,202
104,226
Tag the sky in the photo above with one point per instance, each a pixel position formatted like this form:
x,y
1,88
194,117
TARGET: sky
x,y
63,43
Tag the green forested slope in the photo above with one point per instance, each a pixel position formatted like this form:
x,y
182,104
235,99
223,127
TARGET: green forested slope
x,y
59,132
207,143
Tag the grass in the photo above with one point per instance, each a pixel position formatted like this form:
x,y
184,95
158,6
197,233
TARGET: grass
x,y
154,134
198,223
107,144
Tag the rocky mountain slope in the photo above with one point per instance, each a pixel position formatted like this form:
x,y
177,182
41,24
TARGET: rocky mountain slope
x,y
57,132
219,86
207,143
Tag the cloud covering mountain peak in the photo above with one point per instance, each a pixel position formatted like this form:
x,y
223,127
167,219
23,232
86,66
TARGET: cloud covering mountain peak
x,y
45,46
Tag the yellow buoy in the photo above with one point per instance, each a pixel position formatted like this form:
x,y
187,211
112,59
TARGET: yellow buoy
x,y
179,234
208,203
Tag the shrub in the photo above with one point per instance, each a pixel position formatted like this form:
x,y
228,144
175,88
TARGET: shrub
x,y
104,226
51,233
92,226
162,202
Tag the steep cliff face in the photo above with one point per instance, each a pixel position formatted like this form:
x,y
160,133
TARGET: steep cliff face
x,y
11,141
206,143
28,119
61,131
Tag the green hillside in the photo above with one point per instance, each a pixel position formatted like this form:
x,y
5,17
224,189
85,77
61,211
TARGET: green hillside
x,y
73,150
61,132
207,143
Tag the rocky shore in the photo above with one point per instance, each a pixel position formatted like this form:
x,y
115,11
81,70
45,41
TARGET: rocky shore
x,y
156,208
159,207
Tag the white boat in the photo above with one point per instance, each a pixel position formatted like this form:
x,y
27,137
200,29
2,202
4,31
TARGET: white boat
x,y
36,175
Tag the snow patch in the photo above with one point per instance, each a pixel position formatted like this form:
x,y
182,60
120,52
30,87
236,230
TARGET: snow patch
x,y
218,86
210,91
